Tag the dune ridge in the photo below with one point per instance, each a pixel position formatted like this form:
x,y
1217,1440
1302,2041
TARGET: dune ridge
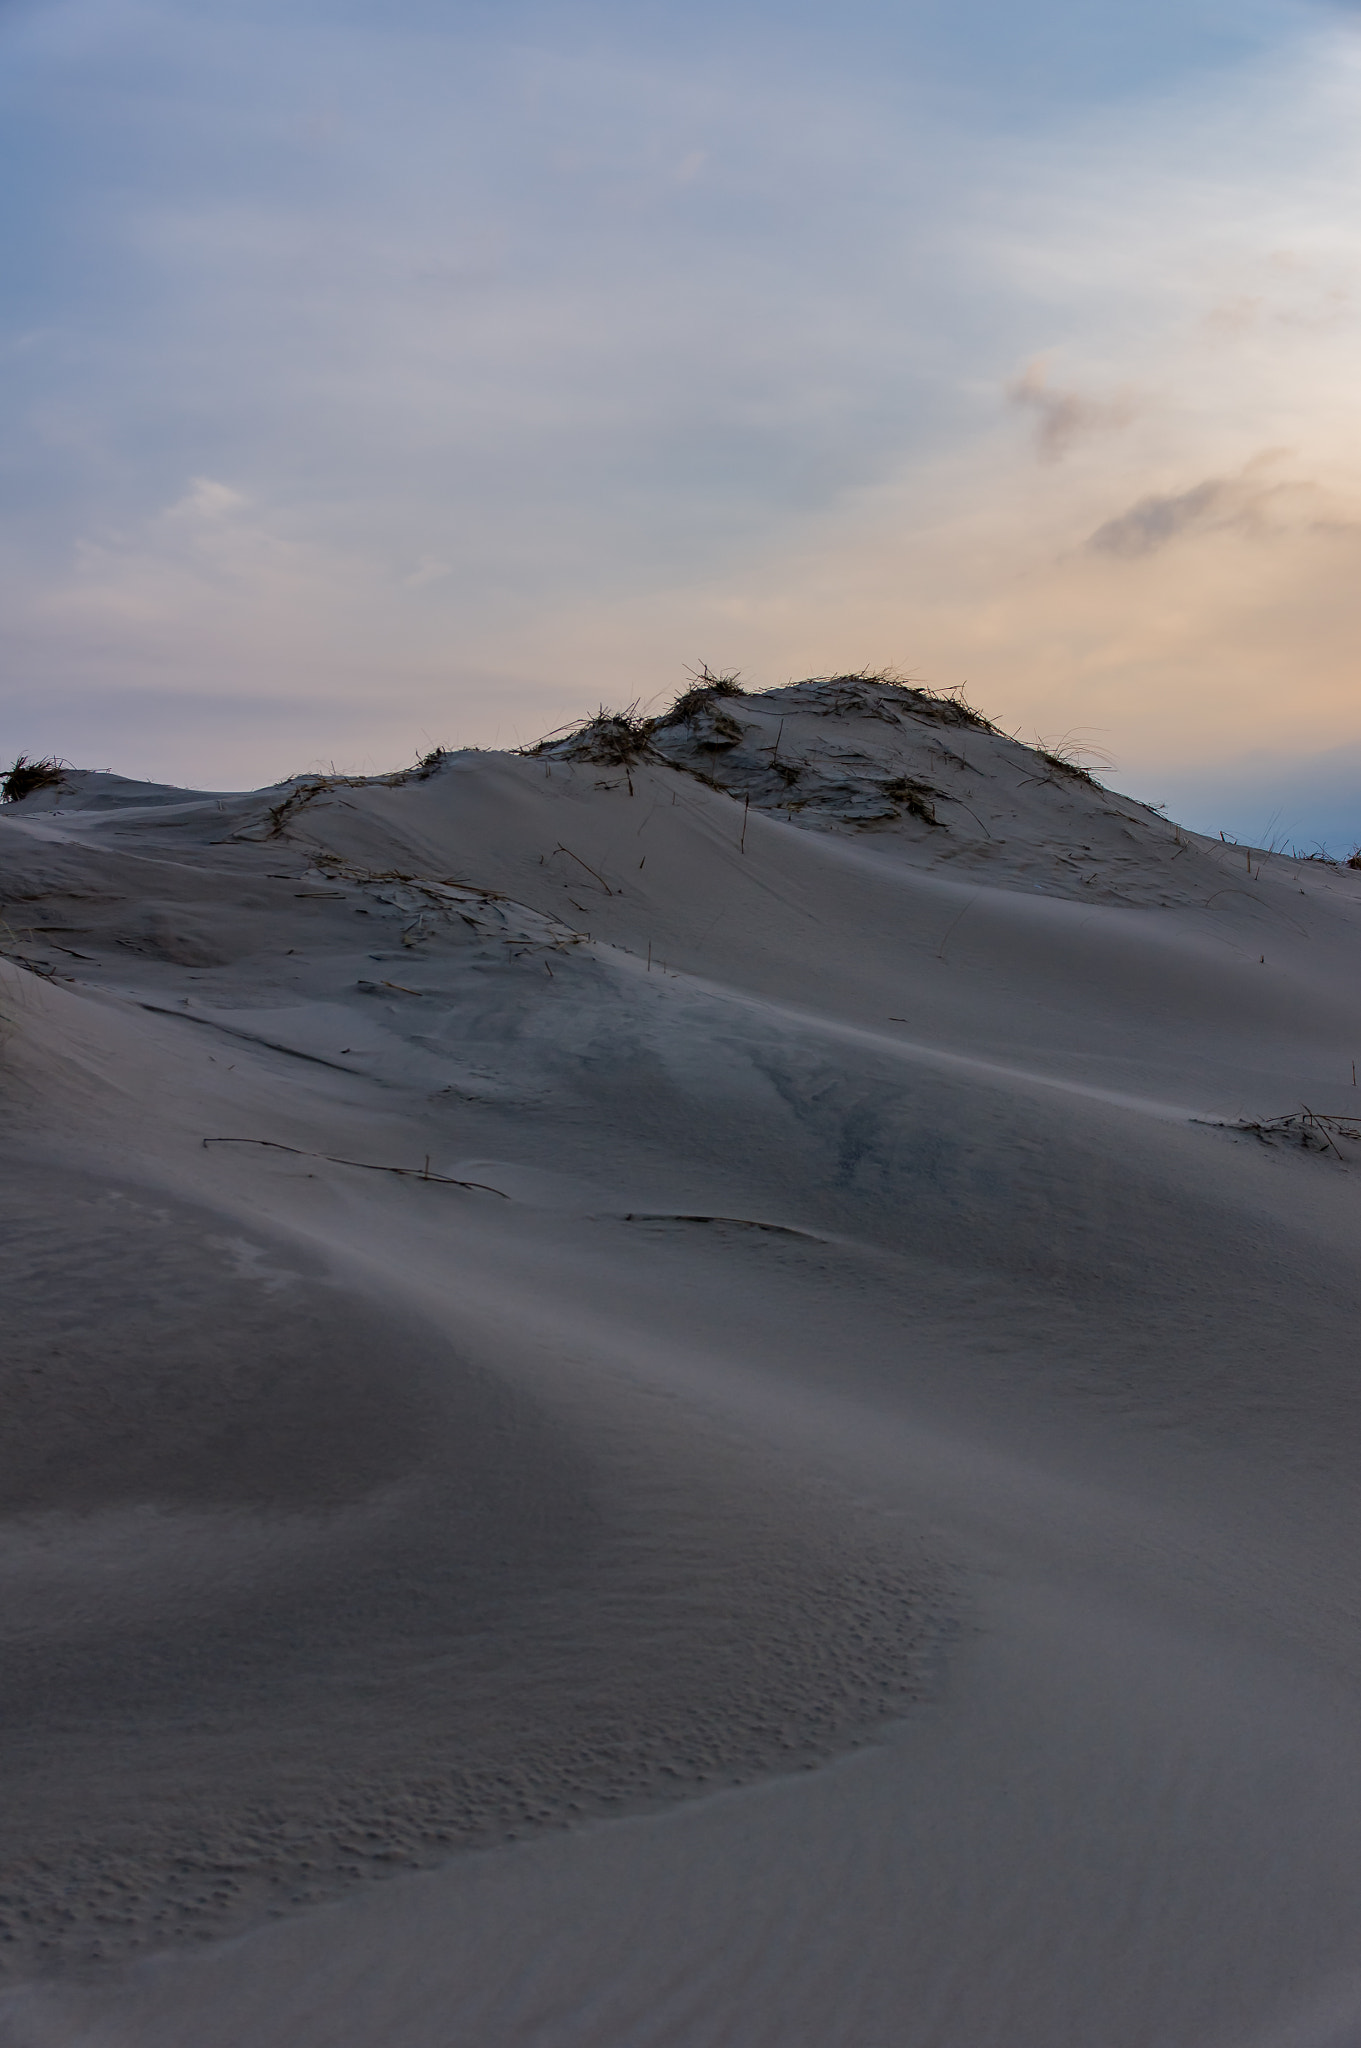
x,y
569,1284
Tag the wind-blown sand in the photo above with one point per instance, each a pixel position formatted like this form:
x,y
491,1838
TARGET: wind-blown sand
x,y
820,1503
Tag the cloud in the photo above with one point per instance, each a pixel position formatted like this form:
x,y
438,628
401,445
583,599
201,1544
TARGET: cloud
x,y
429,569
206,499
1155,521
1251,503
1063,418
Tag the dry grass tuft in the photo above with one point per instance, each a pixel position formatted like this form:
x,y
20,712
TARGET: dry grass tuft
x,y
25,777
1066,756
302,794
881,693
617,739
614,739
1310,1130
706,687
915,798
1063,766
421,770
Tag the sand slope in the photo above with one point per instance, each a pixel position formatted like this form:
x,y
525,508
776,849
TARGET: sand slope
x,y
580,1285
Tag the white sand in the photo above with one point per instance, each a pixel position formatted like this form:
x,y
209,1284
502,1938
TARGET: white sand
x,y
861,1487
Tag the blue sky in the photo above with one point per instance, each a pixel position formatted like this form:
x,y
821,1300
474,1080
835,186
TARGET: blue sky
x,y
377,377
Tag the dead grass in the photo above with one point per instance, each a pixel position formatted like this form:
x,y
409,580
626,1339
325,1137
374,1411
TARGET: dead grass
x,y
613,739
915,798
366,1165
864,690
304,793
617,739
421,770
24,777
701,696
1309,1130
307,788
1066,757
732,1222
1073,769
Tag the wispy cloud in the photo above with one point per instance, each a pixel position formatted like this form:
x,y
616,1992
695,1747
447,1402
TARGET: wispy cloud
x,y
1064,417
206,500
1155,521
1257,502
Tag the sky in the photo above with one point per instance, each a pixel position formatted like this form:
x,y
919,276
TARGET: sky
x,y
379,377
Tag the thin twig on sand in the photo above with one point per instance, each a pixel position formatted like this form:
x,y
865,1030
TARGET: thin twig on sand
x,y
368,1165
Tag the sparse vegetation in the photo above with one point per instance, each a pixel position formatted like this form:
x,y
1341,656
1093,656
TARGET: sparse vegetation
x,y
1308,1129
24,777
615,739
915,798
619,738
700,697
304,792
1064,766
1065,756
952,707
366,1165
863,690
307,788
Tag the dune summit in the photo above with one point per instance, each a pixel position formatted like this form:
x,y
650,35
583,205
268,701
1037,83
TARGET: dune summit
x,y
724,1348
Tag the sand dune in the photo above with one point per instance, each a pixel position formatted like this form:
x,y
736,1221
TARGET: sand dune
x,y
682,1346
